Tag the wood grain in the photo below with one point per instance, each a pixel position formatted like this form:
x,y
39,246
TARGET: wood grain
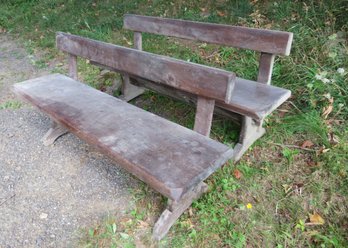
x,y
138,41
265,68
170,158
196,79
204,115
72,63
268,41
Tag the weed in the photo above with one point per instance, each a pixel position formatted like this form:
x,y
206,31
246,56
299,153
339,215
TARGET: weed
x,y
11,105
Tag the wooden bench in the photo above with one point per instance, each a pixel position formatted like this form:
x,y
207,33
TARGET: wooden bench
x,y
170,158
251,101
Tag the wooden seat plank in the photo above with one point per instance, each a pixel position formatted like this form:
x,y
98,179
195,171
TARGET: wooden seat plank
x,y
256,100
170,158
249,98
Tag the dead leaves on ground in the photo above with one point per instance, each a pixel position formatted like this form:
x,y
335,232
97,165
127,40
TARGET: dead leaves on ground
x,y
327,110
307,144
315,219
237,174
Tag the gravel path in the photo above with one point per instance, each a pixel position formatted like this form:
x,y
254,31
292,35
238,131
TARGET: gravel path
x,y
47,194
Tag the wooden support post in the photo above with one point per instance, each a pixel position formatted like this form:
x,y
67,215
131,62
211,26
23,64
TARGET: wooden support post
x,y
175,210
72,61
204,115
250,132
265,68
250,129
130,91
53,133
138,41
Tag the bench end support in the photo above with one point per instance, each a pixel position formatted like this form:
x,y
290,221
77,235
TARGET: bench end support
x,y
175,210
250,132
53,133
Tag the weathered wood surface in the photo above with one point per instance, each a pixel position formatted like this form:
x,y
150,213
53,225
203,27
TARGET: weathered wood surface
x,y
72,63
249,98
194,78
268,41
130,91
265,68
204,115
249,133
175,209
53,133
138,41
170,158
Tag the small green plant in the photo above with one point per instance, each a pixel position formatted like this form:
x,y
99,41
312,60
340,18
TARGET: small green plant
x,y
300,225
289,154
12,104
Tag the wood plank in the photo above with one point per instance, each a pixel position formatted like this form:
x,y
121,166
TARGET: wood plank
x,y
268,41
204,115
265,68
170,158
249,98
197,79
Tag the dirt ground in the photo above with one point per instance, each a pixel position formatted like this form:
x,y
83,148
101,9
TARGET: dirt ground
x,y
48,194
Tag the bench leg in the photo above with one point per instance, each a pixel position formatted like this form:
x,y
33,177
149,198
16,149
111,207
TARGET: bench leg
x,y
250,132
53,133
130,91
175,210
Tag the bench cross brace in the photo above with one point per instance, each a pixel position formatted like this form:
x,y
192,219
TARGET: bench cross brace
x,y
175,209
53,133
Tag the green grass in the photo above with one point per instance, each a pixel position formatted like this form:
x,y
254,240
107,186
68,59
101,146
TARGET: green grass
x,y
284,183
10,105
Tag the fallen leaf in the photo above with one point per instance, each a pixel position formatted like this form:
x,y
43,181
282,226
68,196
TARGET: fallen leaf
x,y
307,144
327,110
333,139
142,224
220,13
237,174
287,188
190,212
311,163
298,188
127,41
316,219
322,150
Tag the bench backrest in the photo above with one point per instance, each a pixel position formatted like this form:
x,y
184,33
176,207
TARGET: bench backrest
x,y
268,42
208,83
194,78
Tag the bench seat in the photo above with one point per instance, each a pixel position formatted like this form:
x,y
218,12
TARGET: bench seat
x,y
170,158
256,100
249,98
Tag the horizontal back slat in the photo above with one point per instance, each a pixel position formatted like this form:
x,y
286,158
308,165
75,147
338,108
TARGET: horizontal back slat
x,y
268,41
197,79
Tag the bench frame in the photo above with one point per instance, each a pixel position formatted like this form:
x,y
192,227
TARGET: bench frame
x,y
270,43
